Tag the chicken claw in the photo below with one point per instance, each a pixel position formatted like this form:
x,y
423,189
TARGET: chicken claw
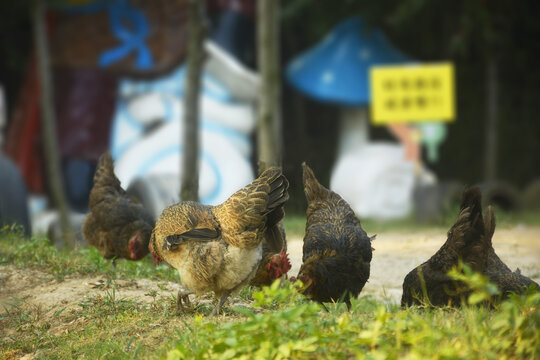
x,y
183,298
217,309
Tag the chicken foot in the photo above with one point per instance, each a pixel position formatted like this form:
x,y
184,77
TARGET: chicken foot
x,y
183,298
217,309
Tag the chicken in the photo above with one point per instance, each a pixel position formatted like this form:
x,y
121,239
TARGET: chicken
x,y
337,251
116,225
275,262
469,240
219,248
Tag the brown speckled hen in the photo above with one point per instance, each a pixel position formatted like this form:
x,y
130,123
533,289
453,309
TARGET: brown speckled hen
x,y
469,240
116,225
337,251
219,248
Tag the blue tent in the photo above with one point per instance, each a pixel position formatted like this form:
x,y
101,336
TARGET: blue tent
x,y
337,69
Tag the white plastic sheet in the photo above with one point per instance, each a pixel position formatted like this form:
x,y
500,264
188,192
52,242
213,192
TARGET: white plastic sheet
x,y
375,180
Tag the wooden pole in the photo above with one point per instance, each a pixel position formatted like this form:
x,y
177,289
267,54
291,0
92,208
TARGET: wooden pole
x,y
195,58
48,121
269,108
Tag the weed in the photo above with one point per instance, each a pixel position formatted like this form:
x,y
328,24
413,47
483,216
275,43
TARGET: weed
x,y
480,288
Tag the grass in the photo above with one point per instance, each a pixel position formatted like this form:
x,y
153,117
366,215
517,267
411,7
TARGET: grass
x,y
40,253
279,323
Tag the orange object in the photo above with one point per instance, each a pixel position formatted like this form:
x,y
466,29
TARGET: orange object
x,y
410,138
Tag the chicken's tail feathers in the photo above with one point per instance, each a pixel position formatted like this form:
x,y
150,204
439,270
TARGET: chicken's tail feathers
x,y
468,235
470,223
277,196
312,188
271,185
275,238
278,193
105,182
472,198
263,197
489,224
104,175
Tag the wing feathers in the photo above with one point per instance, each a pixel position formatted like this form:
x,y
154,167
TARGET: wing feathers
x,y
202,234
244,216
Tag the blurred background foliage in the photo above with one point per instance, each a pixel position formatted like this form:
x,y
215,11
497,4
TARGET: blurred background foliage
x,y
470,33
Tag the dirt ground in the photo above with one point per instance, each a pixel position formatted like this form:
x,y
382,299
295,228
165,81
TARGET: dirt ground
x,y
396,253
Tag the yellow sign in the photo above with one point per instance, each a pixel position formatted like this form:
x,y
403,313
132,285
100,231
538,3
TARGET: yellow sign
x,y
412,93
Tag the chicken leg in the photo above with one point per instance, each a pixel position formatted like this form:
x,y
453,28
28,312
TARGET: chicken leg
x,y
219,305
183,298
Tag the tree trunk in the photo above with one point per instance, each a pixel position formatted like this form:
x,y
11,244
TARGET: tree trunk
x,y
490,157
269,109
195,59
48,121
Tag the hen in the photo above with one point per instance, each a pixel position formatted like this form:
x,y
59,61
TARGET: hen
x,y
219,248
275,262
469,240
117,226
337,251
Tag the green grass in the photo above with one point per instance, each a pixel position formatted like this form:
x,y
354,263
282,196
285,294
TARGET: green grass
x,y
280,323
38,252
371,330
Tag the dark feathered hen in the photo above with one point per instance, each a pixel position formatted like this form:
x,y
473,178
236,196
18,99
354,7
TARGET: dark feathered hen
x,y
116,225
275,262
507,281
337,251
469,240
219,248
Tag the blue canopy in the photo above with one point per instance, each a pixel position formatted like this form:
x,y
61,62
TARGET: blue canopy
x,y
337,69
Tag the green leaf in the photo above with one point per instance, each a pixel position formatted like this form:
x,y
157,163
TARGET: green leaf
x,y
245,311
477,297
492,289
219,347
174,355
59,311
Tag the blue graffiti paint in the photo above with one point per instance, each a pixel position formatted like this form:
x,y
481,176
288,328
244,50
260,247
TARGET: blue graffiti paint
x,y
132,37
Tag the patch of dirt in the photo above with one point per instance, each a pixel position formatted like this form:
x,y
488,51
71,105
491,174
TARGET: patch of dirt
x,y
38,288
397,253
38,299
42,299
